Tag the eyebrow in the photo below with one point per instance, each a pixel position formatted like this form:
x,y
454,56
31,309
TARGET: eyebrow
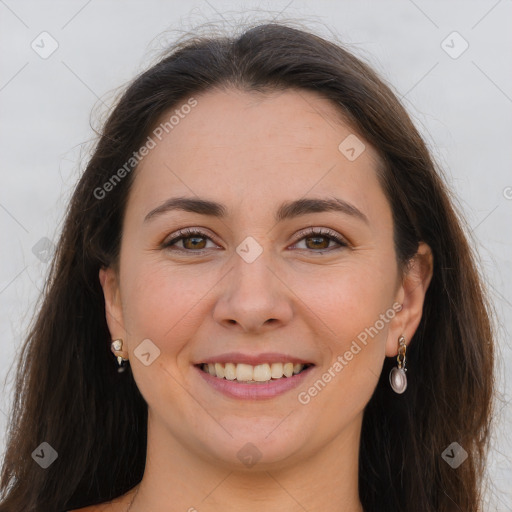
x,y
287,210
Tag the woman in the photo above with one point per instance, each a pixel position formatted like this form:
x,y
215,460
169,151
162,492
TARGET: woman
x,y
262,245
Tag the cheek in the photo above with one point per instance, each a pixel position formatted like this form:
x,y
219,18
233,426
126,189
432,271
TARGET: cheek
x,y
352,309
163,305
161,302
349,297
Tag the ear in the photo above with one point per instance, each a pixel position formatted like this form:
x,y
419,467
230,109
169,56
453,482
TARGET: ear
x,y
411,294
113,309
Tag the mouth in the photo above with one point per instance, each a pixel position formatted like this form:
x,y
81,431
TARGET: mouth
x,y
241,373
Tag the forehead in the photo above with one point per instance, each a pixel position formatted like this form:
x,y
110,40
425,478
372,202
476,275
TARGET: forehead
x,y
261,147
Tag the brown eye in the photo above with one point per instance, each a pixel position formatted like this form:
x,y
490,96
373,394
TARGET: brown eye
x,y
318,240
194,242
188,240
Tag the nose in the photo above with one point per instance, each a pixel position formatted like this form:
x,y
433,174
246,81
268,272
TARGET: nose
x,y
255,298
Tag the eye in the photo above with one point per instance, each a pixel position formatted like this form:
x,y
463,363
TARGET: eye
x,y
319,239
194,240
191,240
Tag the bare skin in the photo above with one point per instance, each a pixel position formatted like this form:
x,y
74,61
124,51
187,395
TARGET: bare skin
x,y
304,295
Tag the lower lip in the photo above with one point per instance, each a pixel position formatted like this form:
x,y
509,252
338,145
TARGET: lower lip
x,y
269,389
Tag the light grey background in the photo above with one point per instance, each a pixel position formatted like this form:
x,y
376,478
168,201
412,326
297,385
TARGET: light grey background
x,y
462,105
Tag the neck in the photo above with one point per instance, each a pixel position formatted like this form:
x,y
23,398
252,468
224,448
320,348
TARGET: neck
x,y
324,481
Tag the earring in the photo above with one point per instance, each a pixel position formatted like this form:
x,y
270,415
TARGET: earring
x,y
397,377
117,346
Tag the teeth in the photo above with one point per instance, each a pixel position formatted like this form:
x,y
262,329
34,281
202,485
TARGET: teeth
x,y
276,370
262,373
219,369
230,371
244,372
288,369
248,373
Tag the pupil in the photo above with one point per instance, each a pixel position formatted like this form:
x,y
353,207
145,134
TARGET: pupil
x,y
316,241
193,242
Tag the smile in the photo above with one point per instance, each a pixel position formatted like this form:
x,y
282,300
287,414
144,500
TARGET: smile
x,y
243,381
249,374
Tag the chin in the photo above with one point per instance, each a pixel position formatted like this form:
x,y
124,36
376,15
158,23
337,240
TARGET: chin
x,y
257,444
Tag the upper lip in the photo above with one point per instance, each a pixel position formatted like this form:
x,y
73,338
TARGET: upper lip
x,y
253,359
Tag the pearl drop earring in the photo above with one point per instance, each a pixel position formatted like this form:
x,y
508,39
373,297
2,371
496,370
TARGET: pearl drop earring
x,y
397,377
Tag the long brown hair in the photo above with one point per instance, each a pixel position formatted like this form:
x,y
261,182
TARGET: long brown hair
x,y
68,392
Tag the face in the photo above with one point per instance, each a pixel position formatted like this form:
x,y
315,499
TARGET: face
x,y
263,285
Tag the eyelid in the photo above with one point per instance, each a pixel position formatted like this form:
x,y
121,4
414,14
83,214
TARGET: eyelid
x,y
312,230
189,232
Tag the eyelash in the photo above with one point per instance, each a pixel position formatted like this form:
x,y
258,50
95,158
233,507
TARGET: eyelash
x,y
310,232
